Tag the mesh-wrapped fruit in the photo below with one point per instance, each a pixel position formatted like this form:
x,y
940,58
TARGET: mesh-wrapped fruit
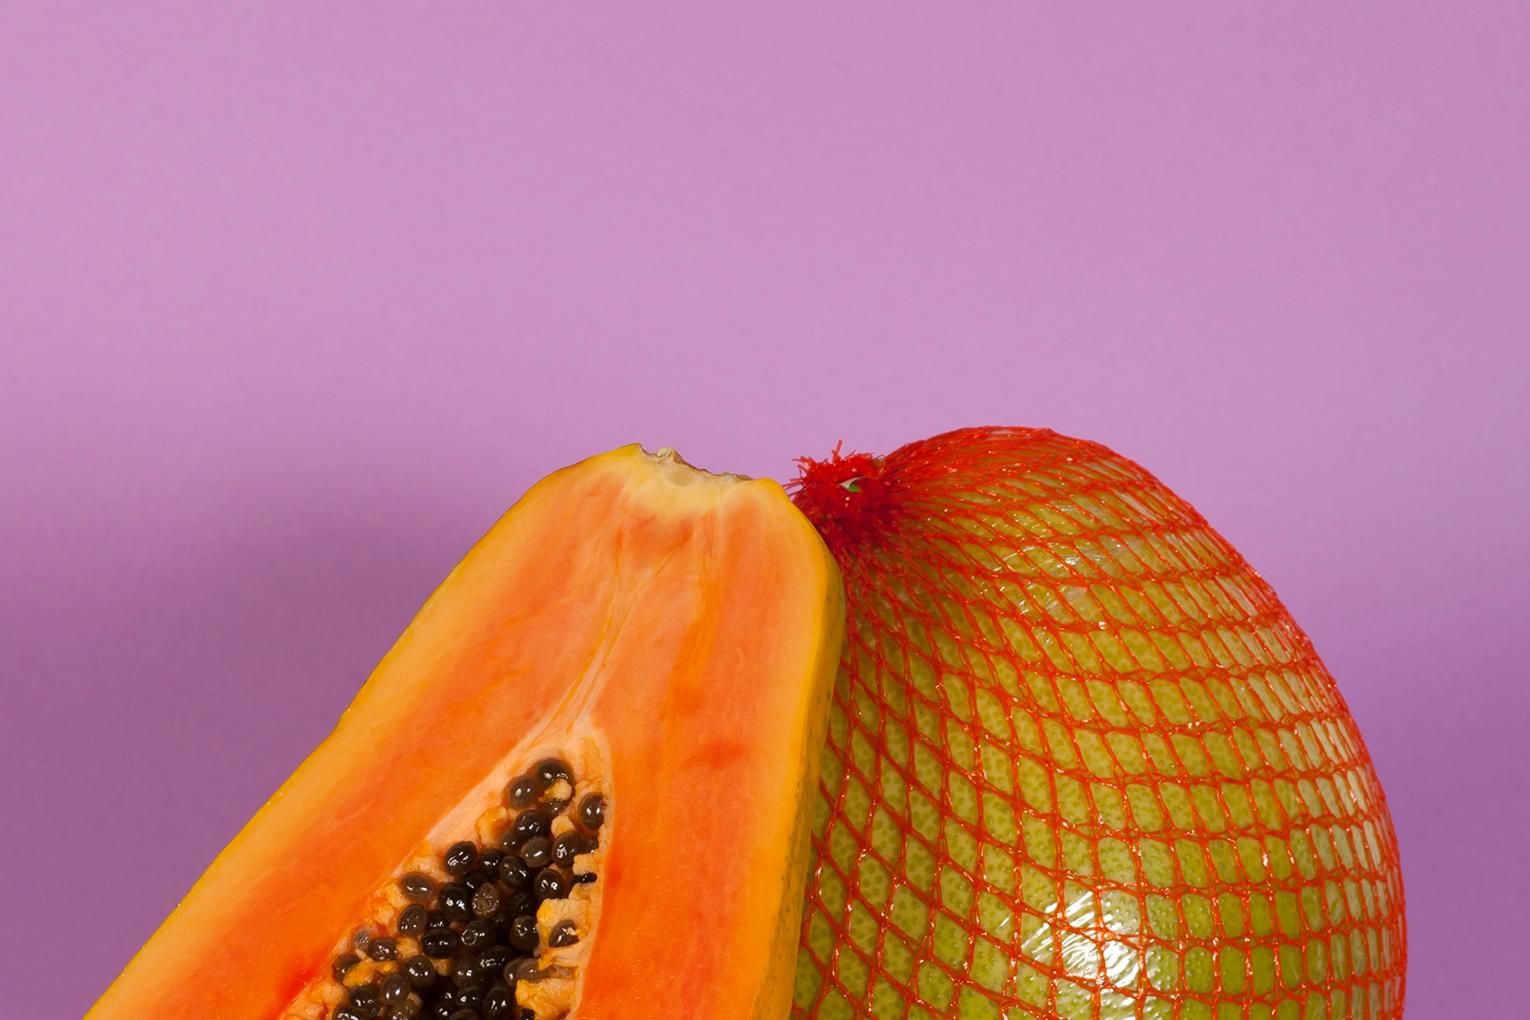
x,y
1082,764
577,784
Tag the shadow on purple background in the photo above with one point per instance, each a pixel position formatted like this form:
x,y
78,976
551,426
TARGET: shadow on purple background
x,y
292,305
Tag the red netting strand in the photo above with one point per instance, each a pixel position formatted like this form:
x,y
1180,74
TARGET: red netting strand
x,y
1082,763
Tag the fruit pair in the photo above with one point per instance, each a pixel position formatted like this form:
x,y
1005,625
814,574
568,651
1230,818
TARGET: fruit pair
x,y
1078,762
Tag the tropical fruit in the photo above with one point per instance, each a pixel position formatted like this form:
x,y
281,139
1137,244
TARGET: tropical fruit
x,y
1082,763
577,784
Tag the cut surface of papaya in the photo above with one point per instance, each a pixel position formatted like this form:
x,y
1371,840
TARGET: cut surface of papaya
x,y
576,786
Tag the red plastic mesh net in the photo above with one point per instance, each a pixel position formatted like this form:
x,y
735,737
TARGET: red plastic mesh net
x,y
1082,763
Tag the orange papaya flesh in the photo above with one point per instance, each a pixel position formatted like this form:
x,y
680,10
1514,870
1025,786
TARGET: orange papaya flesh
x,y
1082,762
639,655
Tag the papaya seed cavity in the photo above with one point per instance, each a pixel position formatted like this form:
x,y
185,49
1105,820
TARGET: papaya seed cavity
x,y
492,927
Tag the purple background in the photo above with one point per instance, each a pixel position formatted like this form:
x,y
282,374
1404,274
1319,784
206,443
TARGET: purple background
x,y
293,303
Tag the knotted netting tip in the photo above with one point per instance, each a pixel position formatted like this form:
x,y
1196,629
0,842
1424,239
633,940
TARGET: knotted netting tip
x,y
844,495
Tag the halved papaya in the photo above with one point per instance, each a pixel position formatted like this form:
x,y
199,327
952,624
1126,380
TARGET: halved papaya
x,y
576,786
